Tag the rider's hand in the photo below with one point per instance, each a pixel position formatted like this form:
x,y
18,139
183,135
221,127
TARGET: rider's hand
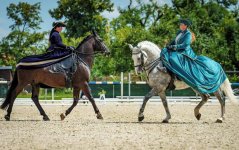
x,y
170,47
70,48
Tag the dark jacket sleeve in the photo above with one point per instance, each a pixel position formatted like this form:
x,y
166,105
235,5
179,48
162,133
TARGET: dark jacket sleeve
x,y
172,42
56,39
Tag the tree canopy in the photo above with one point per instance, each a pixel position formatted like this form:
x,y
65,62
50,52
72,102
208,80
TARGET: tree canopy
x,y
23,40
82,16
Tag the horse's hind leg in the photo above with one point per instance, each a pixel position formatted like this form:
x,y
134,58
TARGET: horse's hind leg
x,y
197,108
76,92
35,98
221,99
165,104
146,98
14,94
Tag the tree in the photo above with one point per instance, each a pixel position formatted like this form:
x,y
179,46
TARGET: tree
x,y
82,16
215,26
23,40
140,14
135,24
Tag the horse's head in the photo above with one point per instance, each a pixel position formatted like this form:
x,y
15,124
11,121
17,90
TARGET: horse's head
x,y
99,44
139,57
91,45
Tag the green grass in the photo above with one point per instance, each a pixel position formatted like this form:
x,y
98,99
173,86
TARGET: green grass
x,y
58,95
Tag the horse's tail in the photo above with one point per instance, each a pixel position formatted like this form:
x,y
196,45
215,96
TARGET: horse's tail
x,y
227,89
13,86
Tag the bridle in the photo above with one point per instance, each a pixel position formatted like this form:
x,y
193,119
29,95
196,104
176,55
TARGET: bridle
x,y
150,66
141,58
95,52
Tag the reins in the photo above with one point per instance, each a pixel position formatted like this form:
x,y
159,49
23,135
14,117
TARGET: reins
x,y
81,53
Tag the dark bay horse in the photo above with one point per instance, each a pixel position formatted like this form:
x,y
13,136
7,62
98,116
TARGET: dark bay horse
x,y
91,45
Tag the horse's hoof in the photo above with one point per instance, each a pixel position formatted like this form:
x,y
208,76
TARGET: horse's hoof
x,y
45,118
141,118
198,116
62,116
7,118
99,116
165,121
219,121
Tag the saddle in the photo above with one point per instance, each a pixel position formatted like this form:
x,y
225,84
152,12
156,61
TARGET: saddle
x,y
162,68
67,67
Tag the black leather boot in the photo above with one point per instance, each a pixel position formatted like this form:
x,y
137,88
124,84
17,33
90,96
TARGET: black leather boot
x,y
171,85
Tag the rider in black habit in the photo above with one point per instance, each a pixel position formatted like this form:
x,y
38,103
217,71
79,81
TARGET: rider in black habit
x,y
55,53
55,37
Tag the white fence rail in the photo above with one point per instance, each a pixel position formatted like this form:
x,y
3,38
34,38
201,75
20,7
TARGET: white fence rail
x,y
134,99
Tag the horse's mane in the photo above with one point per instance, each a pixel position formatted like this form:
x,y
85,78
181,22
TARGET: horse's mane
x,y
85,39
148,45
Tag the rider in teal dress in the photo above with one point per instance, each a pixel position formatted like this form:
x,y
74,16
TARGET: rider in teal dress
x,y
201,73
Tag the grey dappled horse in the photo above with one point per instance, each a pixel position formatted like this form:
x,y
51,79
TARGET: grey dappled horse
x,y
146,57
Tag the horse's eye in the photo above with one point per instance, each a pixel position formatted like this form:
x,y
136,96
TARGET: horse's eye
x,y
138,58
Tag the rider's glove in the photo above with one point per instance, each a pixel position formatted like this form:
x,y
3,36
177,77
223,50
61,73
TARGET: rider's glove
x,y
171,47
70,48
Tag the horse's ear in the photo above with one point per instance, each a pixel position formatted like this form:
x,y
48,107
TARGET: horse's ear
x,y
94,32
131,47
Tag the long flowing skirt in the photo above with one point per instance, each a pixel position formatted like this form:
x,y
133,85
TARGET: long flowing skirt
x,y
201,73
43,60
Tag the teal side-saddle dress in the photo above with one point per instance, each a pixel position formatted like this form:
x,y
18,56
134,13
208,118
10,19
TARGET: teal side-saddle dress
x,y
201,73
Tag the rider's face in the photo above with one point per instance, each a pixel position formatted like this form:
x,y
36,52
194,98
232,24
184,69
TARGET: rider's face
x,y
59,29
183,26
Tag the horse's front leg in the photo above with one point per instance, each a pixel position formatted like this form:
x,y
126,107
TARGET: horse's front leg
x,y
146,98
76,92
87,92
165,104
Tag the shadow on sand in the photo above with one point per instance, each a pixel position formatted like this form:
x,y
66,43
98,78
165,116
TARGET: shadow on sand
x,y
147,122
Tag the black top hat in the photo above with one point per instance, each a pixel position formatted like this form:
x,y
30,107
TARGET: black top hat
x,y
187,22
58,24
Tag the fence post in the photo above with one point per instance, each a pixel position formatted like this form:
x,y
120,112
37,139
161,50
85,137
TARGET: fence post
x,y
129,86
45,94
122,85
52,93
113,90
